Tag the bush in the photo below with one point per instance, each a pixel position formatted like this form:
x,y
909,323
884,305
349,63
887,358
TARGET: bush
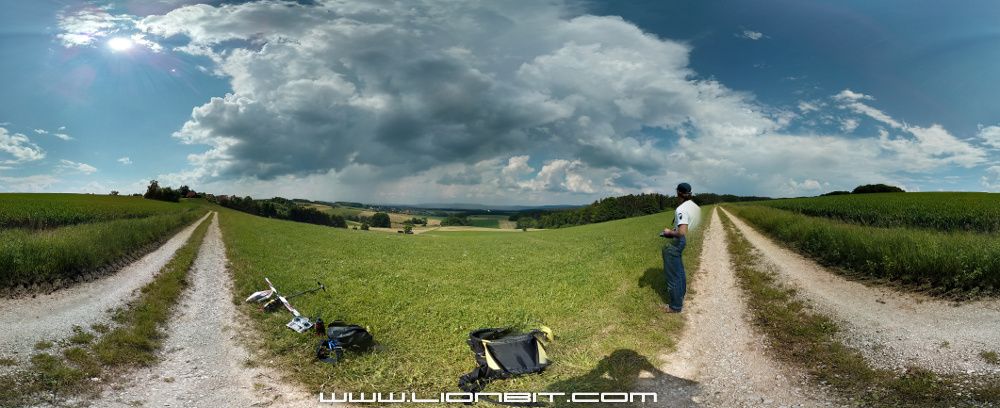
x,y
455,221
155,192
381,220
364,226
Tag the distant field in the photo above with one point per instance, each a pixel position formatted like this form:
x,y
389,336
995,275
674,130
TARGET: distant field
x,y
945,211
338,210
54,210
486,221
597,286
61,236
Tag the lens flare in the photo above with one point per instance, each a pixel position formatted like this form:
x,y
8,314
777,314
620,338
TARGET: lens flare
x,y
120,44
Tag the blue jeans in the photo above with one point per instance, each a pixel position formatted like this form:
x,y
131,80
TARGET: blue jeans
x,y
673,269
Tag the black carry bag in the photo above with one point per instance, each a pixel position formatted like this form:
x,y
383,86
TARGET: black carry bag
x,y
501,354
341,336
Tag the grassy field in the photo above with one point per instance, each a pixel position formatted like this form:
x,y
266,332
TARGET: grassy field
x,y
979,212
597,286
54,210
799,335
955,262
31,255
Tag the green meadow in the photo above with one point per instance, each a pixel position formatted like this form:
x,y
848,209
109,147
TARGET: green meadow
x,y
597,286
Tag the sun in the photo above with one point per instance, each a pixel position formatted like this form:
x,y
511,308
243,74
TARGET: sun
x,y
120,44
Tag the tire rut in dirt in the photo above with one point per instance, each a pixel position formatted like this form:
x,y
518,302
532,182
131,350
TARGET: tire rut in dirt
x,y
203,363
720,360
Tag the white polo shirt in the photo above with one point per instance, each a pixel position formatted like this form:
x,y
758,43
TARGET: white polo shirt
x,y
687,213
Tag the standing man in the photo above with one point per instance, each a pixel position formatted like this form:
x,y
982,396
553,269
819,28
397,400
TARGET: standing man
x,y
686,218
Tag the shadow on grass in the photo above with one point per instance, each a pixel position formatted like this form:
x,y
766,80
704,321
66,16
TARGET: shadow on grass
x,y
655,280
625,371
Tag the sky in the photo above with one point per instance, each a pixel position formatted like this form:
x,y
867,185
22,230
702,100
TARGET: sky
x,y
514,102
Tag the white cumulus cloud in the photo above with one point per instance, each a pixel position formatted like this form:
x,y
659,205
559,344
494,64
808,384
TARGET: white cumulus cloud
x,y
991,178
926,148
752,35
19,148
76,166
125,160
990,135
89,25
369,99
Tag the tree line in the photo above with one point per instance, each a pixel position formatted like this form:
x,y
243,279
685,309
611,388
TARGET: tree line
x,y
867,189
280,208
615,208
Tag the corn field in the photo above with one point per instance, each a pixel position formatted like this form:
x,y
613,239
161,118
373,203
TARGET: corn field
x,y
941,211
950,261
38,211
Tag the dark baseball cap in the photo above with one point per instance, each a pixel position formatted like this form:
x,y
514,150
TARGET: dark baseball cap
x,y
684,188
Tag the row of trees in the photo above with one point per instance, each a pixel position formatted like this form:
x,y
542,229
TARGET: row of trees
x,y
378,220
281,208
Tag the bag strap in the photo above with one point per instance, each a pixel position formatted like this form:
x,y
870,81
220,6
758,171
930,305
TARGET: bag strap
x,y
475,380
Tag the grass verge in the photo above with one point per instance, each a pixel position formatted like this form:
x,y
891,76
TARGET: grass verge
x,y
134,340
597,286
808,340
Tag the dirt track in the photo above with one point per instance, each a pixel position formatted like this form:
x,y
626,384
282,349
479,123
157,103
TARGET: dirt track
x,y
28,320
204,363
721,362
892,329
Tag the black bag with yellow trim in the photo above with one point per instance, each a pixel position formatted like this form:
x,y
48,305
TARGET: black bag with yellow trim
x,y
502,354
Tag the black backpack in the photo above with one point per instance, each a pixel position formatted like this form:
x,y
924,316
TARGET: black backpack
x,y
341,336
500,354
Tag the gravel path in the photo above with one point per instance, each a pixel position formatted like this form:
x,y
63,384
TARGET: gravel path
x,y
204,364
721,361
892,329
28,320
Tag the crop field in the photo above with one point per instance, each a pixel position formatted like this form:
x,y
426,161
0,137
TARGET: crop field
x,y
56,210
81,233
597,286
486,221
953,261
943,211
